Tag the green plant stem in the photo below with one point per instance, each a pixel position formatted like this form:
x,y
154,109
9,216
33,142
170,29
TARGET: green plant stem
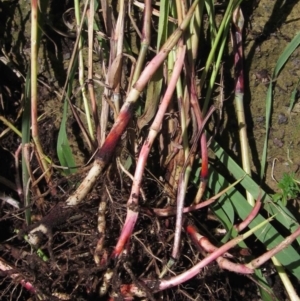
x,y
91,21
285,280
11,126
231,6
146,35
216,67
237,40
34,97
81,70
25,141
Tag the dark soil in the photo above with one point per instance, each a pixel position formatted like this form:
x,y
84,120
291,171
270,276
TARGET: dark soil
x,y
71,272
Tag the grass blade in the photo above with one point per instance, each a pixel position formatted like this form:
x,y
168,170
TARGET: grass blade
x,y
269,100
25,140
269,236
64,151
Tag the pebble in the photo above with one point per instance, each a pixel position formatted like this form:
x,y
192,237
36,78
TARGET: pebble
x,y
282,119
278,142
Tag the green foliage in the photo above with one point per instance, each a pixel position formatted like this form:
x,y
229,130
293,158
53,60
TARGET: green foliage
x,y
64,151
269,236
289,187
26,140
290,48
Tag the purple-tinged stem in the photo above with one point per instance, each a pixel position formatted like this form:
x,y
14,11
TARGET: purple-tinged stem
x,y
182,191
203,141
266,256
240,227
159,285
106,151
169,211
132,204
7,268
192,272
172,211
203,242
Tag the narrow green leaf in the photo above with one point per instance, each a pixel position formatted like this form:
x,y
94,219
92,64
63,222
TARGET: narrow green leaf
x,y
162,23
26,139
64,151
223,208
152,99
210,8
264,284
293,97
269,100
269,236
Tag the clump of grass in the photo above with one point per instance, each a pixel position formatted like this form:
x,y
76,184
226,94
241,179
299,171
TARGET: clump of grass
x,y
289,189
179,110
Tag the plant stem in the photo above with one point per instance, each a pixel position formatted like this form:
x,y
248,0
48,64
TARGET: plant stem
x,y
132,203
164,284
168,211
81,70
91,14
237,40
34,97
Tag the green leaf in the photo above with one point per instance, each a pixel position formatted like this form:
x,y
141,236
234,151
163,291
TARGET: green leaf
x,y
163,23
269,100
152,99
264,287
64,151
25,140
223,208
269,235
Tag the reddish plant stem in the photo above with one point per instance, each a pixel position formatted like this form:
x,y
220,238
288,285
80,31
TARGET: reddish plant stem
x,y
203,141
203,242
106,151
169,211
7,268
185,276
160,285
237,41
266,256
240,227
132,210
192,272
182,191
